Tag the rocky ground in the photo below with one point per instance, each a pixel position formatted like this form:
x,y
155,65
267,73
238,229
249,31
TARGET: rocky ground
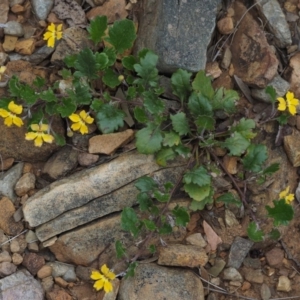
x,y
59,211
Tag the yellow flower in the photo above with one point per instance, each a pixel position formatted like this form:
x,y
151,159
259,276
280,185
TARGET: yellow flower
x,y
38,134
80,121
53,34
286,196
10,116
290,103
2,70
103,279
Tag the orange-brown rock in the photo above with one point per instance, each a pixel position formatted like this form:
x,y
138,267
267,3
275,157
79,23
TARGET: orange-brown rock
x,y
25,46
9,43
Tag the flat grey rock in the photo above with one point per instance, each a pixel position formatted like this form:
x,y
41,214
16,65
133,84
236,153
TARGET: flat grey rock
x,y
21,285
42,8
179,32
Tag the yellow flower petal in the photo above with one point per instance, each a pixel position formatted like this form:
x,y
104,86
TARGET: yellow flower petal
x,y
2,69
98,285
58,35
74,118
48,138
38,142
83,115
47,35
282,104
292,110
51,42
17,121
35,127
29,136
289,198
289,96
108,286
76,126
96,275
44,127
8,121
83,129
89,120
16,109
51,27
104,269
284,193
4,113
59,27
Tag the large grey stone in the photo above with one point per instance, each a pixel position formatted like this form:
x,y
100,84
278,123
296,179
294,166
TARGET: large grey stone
x,y
276,22
21,285
155,282
42,8
84,186
177,31
101,206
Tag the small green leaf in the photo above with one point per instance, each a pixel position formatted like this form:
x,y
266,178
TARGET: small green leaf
x,y
182,150
96,105
199,105
110,78
149,139
86,64
147,70
171,138
180,123
140,114
131,93
51,108
59,139
66,108
244,127
4,103
161,197
202,84
130,221
181,84
80,94
255,157
29,95
109,118
152,249
197,176
101,60
48,95
163,155
225,100
39,82
205,122
70,60
182,217
121,35
282,212
97,28
274,234
128,62
255,234
111,55
165,228
229,198
145,202
197,192
145,184
271,169
150,225
131,269
153,104
36,117
283,119
272,93
236,144
120,250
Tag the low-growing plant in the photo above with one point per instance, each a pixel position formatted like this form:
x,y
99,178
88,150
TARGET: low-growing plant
x,y
193,130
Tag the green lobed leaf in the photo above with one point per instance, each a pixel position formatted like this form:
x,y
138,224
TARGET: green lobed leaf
x,y
80,94
121,35
153,104
128,62
36,117
272,93
282,212
29,95
254,233
229,198
4,103
145,202
163,155
111,55
255,157
197,192
152,249
131,93
66,107
86,64
96,105
48,95
182,217
131,269
182,150
205,122
202,84
109,118
150,225
97,28
65,73
199,205
161,197
39,82
180,123
70,60
271,169
120,250
197,175
181,84
145,184
274,234
199,105
171,138
130,221
149,139
140,114
59,139
51,108
229,99
102,60
165,228
244,127
15,87
236,144
147,70
283,119
110,78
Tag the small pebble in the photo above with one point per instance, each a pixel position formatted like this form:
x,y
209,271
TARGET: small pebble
x,y
284,284
14,246
17,259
